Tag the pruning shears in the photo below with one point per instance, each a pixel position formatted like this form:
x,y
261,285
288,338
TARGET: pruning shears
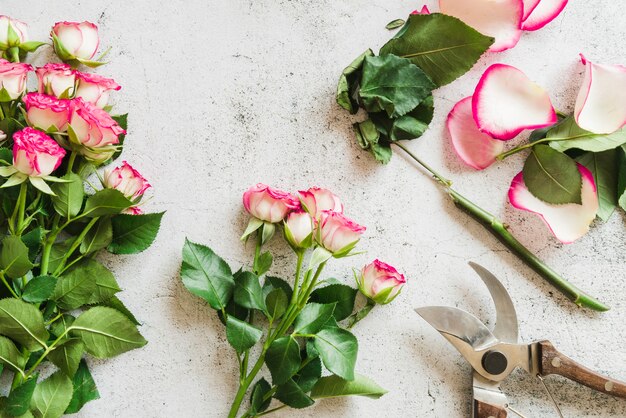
x,y
494,354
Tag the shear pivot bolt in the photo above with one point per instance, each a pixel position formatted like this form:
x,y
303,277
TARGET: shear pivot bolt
x,y
494,362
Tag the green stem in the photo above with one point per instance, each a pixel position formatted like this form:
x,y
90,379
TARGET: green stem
x,y
79,239
47,351
356,317
47,248
296,285
269,411
500,231
515,150
22,207
243,386
70,163
6,283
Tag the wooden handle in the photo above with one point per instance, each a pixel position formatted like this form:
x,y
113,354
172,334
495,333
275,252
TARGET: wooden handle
x,y
487,410
553,362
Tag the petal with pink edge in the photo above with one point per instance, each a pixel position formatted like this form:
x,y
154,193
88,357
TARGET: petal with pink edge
x,y
543,13
567,222
475,148
601,103
529,6
506,102
424,11
501,19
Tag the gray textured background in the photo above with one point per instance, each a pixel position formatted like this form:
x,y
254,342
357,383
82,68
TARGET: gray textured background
x,y
224,94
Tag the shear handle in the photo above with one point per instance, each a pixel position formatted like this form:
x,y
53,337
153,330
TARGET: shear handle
x,y
553,362
487,410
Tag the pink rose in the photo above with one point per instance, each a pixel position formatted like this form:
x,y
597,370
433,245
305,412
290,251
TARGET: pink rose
x,y
94,128
298,229
380,282
337,233
74,40
316,200
56,79
18,27
268,204
13,78
95,89
47,112
35,153
128,181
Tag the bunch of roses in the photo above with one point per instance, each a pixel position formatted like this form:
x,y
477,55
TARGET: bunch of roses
x,y
570,176
315,219
57,302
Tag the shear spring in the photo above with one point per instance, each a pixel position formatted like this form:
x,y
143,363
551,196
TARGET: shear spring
x,y
556,405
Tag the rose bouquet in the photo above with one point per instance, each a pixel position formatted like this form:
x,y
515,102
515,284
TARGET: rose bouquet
x,y
58,211
301,326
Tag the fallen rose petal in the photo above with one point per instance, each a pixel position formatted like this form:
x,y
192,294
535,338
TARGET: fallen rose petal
x,y
601,103
500,19
424,11
567,222
529,6
543,13
506,102
475,148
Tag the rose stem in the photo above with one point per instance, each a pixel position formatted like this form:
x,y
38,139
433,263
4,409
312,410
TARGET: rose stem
x,y
500,230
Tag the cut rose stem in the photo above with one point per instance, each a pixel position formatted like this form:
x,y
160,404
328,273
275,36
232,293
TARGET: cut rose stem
x,y
500,230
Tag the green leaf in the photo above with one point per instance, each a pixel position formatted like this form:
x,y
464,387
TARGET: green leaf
x,y
313,317
233,309
206,275
603,166
241,335
69,195
106,332
334,386
133,234
309,374
342,295
58,252
39,289
59,326
283,359
14,257
52,396
259,390
369,137
98,237
106,202
18,401
443,46
84,389
552,176
338,350
394,24
276,303
292,395
122,120
67,356
248,292
621,176
263,263
106,285
117,304
10,355
32,240
75,288
23,323
348,83
272,283
31,46
393,84
568,135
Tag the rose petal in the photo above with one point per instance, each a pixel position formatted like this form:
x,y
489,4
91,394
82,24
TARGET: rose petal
x,y
529,6
601,103
543,13
500,19
567,222
506,102
475,148
424,11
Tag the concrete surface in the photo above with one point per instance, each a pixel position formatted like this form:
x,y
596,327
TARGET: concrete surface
x,y
224,94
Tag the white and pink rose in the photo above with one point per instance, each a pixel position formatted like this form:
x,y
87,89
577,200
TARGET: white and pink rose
x,y
75,40
380,282
299,229
95,89
13,78
316,200
338,234
56,79
20,32
269,204
35,153
129,182
47,112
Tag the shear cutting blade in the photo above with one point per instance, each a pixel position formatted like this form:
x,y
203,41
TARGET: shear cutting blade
x,y
506,328
458,323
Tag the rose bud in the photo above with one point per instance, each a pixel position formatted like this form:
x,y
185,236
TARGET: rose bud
x,y
316,200
94,88
56,79
269,204
47,112
13,79
94,128
19,35
380,282
35,153
129,182
73,40
299,229
337,233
